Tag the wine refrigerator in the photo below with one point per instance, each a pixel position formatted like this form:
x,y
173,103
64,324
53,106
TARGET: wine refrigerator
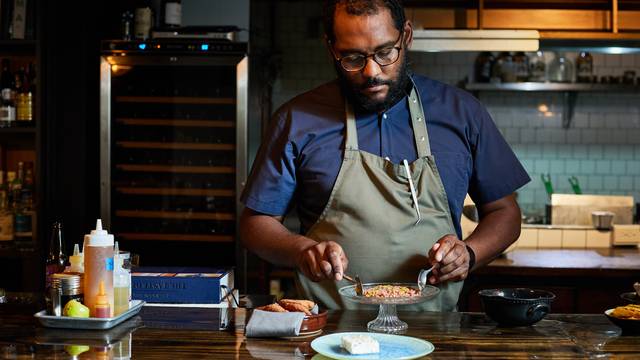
x,y
173,149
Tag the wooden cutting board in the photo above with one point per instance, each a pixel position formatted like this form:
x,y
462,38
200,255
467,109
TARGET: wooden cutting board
x,y
570,209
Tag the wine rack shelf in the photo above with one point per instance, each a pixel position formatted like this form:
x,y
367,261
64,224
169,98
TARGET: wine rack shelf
x,y
176,100
177,123
189,215
176,192
177,169
174,145
176,237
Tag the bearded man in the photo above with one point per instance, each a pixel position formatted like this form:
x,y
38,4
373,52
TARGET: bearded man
x,y
378,163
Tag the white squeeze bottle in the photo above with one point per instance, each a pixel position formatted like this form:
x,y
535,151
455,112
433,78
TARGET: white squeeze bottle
x,y
98,267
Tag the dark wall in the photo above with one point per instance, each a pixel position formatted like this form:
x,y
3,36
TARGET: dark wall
x,y
70,39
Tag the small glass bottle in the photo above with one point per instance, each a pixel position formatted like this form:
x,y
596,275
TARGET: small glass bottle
x,y
482,67
584,67
561,69
56,260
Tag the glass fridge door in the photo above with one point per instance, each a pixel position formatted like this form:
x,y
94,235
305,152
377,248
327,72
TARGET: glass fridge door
x,y
173,133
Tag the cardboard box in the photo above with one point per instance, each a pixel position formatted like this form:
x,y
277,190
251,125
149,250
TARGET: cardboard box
x,y
626,234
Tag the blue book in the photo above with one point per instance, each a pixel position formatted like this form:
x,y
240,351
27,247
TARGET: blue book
x,y
181,285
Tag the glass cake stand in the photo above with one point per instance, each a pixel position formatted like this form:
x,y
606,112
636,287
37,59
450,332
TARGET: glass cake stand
x,y
387,320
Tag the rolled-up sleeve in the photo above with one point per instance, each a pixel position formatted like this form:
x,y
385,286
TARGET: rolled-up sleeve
x,y
272,181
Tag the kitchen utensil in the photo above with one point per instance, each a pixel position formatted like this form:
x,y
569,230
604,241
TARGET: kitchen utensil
x,y
602,220
423,276
575,185
357,282
516,306
628,326
387,320
391,347
546,179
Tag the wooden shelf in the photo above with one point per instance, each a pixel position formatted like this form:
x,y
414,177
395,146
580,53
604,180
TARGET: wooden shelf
x,y
175,215
176,237
177,169
177,122
176,192
176,100
18,46
18,130
175,146
14,253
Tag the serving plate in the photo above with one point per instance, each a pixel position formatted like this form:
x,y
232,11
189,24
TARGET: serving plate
x,y
627,325
387,320
90,323
394,347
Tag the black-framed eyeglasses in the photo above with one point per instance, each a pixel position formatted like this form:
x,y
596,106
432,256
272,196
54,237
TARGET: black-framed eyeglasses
x,y
383,57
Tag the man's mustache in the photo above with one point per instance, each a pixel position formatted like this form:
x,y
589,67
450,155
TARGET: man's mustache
x,y
371,82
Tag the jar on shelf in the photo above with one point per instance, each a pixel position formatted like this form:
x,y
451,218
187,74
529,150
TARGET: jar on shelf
x,y
503,68
584,67
482,67
561,69
537,67
521,66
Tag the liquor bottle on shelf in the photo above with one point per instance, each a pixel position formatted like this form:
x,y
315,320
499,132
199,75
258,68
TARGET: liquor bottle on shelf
x,y
7,107
6,216
24,99
143,21
23,209
173,13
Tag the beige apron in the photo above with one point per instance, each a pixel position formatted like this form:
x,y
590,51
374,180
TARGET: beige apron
x,y
371,214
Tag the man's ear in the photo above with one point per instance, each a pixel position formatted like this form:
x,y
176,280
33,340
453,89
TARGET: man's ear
x,y
408,30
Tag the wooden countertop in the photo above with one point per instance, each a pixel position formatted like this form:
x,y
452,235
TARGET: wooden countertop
x,y
455,335
564,262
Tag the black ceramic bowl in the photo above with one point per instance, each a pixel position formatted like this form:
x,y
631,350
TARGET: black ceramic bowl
x,y
516,307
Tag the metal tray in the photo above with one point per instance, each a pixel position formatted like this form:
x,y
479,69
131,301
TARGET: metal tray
x,y
88,323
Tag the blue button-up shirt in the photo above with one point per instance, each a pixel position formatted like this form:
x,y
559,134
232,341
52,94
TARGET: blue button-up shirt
x,y
299,159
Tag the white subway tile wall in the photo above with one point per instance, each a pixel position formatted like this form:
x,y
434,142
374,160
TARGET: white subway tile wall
x,y
601,147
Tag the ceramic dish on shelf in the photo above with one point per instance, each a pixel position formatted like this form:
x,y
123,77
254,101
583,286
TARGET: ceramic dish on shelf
x,y
628,326
392,347
90,323
630,297
387,320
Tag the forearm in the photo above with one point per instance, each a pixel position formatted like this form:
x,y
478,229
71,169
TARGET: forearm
x,y
498,228
265,236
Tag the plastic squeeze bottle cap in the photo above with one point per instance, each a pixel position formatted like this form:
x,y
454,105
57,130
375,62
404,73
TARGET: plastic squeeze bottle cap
x,y
117,259
98,237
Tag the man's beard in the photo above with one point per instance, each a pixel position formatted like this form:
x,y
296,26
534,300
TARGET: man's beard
x,y
398,88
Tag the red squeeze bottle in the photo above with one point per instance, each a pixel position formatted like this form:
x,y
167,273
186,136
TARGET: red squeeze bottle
x,y
102,308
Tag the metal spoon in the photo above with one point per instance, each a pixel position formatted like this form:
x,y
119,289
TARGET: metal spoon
x,y
359,289
423,276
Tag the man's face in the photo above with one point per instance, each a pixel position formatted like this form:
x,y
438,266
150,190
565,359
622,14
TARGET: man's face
x,y
374,87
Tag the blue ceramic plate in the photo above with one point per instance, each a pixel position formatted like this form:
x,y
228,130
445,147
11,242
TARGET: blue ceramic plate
x,y
391,347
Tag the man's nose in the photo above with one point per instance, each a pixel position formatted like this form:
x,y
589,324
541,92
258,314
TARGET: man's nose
x,y
371,68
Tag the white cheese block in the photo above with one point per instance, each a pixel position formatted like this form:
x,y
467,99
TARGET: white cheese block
x,y
360,344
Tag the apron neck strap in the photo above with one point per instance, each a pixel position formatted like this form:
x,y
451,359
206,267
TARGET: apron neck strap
x,y
417,120
419,124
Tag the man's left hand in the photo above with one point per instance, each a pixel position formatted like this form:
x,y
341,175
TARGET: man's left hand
x,y
450,259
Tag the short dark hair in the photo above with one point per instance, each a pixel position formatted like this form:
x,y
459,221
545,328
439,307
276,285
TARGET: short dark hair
x,y
361,7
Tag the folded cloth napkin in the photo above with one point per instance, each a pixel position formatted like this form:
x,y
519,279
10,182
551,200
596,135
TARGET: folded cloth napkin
x,y
274,324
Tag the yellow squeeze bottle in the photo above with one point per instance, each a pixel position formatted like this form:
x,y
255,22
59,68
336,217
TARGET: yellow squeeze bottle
x,y
98,268
101,306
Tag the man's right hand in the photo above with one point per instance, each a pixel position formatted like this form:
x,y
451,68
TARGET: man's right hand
x,y
324,260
